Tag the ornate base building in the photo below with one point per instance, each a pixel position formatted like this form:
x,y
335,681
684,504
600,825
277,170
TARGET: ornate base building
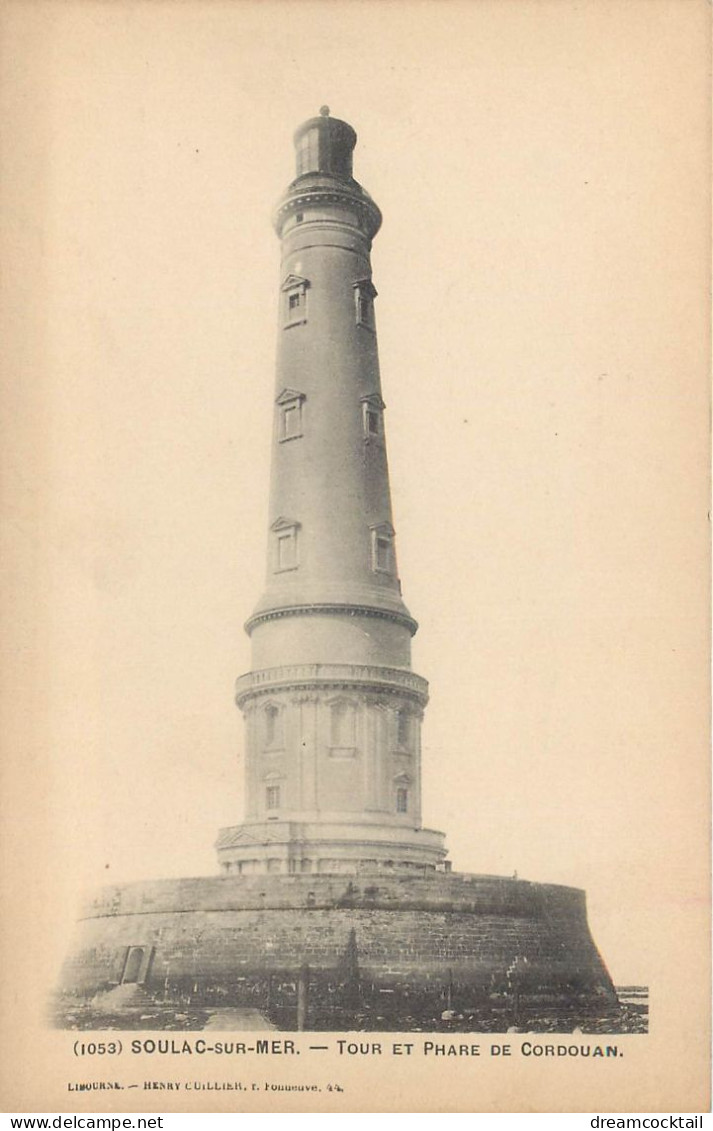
x,y
332,862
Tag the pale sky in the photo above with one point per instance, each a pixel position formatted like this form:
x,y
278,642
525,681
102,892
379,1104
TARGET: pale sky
x,y
542,331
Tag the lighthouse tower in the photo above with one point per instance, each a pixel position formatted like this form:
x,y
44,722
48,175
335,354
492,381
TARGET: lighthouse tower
x,y
332,708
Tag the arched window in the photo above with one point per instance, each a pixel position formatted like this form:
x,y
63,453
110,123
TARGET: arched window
x,y
342,725
403,729
273,726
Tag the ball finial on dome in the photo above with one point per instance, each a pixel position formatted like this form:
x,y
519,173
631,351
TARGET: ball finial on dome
x,y
324,111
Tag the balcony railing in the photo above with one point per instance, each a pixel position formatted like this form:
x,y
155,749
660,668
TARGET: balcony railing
x,y
362,676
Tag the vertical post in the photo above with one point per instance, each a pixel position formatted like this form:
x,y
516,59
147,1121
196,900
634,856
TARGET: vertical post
x,y
268,996
349,973
302,996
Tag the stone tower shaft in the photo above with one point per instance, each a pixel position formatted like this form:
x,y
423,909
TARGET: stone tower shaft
x,y
332,708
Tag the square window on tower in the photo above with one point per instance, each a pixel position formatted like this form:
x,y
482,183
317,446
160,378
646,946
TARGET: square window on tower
x,y
364,295
291,421
272,797
365,311
372,416
286,551
285,545
402,801
342,729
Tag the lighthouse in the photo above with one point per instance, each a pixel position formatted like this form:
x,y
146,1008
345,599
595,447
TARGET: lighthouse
x,y
332,707
332,883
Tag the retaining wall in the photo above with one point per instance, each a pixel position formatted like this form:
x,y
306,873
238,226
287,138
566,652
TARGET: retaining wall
x,y
407,933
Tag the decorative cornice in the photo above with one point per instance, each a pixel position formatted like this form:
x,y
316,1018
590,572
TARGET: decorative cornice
x,y
366,287
373,399
358,678
369,212
283,523
403,778
294,282
287,396
332,610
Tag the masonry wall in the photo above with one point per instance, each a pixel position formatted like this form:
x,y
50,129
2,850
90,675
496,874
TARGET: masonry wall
x,y
230,934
